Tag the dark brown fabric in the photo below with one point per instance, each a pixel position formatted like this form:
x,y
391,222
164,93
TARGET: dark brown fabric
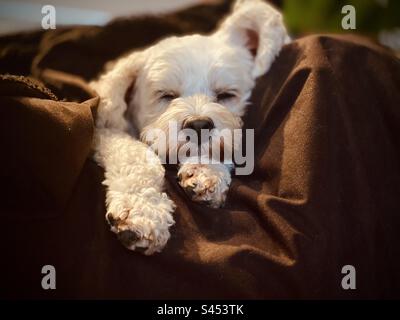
x,y
325,192
45,143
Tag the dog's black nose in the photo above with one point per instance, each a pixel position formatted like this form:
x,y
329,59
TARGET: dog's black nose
x,y
199,123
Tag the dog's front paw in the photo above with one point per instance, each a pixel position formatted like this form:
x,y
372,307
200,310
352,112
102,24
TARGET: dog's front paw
x,y
205,183
143,224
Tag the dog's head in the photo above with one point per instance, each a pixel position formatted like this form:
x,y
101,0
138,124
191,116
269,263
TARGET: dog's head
x,y
194,82
204,81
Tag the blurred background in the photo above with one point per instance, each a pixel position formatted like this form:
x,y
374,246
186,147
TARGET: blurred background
x,y
24,15
377,18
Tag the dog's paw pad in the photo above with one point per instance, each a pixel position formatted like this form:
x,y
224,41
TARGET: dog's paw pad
x,y
206,184
140,234
127,237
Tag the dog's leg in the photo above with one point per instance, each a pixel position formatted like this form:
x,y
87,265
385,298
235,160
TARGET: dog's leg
x,y
137,209
206,183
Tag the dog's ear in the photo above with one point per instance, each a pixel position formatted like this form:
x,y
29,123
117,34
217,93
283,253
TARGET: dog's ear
x,y
115,89
259,27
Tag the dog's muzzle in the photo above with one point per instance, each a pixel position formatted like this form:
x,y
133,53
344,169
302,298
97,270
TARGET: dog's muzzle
x,y
197,124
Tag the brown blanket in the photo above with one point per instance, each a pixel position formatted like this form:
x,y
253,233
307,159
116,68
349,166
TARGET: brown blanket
x,y
324,194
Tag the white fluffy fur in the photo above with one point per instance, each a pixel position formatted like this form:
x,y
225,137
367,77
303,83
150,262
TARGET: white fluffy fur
x,y
194,69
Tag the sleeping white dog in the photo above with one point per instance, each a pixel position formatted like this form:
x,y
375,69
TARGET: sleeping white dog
x,y
196,81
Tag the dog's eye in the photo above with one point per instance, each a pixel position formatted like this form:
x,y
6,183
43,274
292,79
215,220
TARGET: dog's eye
x,y
224,96
167,96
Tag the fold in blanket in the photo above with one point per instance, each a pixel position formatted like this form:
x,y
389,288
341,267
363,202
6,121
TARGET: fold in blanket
x,y
324,194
